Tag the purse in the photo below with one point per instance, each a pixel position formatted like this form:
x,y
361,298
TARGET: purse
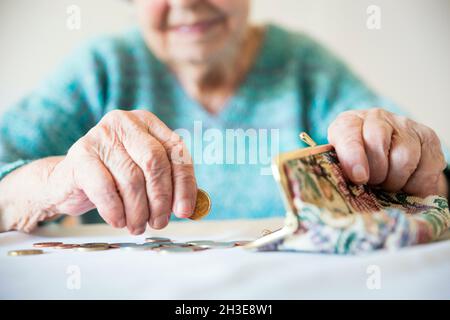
x,y
327,213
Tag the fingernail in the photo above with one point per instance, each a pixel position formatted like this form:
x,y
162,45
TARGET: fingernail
x,y
184,207
359,174
139,231
160,222
122,223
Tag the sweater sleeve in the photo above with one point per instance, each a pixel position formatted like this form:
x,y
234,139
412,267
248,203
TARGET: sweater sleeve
x,y
55,115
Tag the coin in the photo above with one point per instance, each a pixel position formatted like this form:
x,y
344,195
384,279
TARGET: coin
x,y
26,252
201,243
196,248
88,249
67,246
155,244
46,244
157,239
202,205
221,245
95,244
211,244
174,244
93,247
136,247
121,244
241,243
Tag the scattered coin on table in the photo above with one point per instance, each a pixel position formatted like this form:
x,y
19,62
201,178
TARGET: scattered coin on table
x,y
157,244
201,210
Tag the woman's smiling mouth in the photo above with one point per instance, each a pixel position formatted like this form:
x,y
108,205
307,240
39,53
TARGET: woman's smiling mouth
x,y
197,29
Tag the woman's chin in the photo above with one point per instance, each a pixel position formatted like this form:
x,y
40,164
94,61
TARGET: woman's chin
x,y
196,55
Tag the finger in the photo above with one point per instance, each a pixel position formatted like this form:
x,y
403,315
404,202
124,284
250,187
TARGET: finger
x,y
345,134
97,183
130,182
151,157
425,180
404,158
184,182
377,133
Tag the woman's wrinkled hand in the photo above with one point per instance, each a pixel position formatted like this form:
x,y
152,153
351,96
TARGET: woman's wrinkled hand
x,y
383,149
132,168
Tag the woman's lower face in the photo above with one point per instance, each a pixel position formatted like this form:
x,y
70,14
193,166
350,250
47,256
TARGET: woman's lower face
x,y
192,31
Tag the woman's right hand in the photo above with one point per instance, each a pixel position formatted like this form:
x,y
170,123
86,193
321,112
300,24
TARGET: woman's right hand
x,y
131,167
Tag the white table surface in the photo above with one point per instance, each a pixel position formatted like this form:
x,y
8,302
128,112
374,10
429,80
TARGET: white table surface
x,y
417,272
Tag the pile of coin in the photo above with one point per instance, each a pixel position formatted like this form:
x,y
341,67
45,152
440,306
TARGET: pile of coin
x,y
158,244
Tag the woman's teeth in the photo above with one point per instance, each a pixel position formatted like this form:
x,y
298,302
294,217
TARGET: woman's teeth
x,y
195,27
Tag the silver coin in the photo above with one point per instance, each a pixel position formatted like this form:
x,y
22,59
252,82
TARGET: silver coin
x,y
157,239
212,244
135,247
221,245
196,248
154,244
201,243
122,244
174,244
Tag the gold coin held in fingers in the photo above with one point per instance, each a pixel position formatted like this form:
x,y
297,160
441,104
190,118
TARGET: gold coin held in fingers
x,y
202,205
25,252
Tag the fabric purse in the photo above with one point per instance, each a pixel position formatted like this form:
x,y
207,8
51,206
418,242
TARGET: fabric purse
x,y
326,213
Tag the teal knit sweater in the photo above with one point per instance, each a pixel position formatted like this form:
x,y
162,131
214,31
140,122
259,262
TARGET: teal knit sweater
x,y
294,85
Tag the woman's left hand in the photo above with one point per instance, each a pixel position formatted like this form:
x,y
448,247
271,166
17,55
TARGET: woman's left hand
x,y
381,148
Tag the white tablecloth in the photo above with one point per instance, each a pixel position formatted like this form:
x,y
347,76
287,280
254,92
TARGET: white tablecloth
x,y
418,272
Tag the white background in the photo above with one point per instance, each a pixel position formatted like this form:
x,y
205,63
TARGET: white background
x,y
407,60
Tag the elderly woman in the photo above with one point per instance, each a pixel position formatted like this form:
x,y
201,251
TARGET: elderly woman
x,y
99,133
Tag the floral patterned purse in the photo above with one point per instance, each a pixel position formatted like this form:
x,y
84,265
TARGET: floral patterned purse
x,y
326,213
